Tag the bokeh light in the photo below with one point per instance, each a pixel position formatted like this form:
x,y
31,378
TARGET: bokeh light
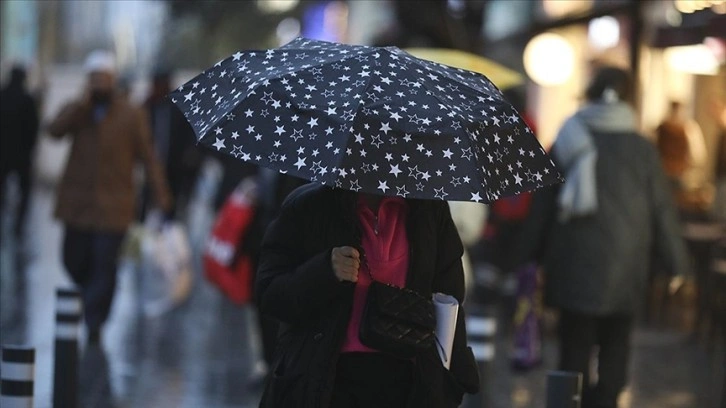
x,y
549,59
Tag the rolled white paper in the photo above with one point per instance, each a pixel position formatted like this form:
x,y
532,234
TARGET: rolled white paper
x,y
447,310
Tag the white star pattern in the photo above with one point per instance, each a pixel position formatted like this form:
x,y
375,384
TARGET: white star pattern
x,y
300,163
383,186
395,171
440,193
219,144
382,121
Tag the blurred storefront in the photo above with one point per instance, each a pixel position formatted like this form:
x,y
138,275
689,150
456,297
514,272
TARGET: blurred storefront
x,y
675,47
38,33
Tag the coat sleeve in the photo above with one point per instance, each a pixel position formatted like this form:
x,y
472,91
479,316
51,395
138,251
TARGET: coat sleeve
x,y
69,120
154,172
449,279
530,243
291,285
670,248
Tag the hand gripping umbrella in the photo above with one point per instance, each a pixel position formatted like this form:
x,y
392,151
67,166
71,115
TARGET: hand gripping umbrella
x,y
366,119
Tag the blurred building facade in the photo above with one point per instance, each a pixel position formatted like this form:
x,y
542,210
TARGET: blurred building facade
x,y
39,33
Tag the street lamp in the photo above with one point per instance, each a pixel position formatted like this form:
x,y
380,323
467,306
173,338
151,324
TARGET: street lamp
x,y
549,59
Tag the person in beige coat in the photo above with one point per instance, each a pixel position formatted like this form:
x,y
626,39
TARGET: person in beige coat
x,y
96,197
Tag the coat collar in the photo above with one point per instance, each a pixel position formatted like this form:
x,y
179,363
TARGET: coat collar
x,y
416,229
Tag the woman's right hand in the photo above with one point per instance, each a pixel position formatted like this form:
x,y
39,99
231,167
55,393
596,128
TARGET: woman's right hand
x,y
346,262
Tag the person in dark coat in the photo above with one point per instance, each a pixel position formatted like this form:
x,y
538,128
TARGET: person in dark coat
x,y
19,124
274,187
598,232
174,142
312,279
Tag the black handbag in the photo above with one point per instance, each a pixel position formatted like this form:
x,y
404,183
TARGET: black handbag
x,y
396,320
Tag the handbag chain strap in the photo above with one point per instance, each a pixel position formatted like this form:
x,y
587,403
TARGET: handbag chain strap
x,y
364,261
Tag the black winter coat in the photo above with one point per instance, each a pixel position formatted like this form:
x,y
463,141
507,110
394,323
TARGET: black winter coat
x,y
599,264
296,284
19,125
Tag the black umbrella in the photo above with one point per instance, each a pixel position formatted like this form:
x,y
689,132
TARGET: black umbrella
x,y
367,119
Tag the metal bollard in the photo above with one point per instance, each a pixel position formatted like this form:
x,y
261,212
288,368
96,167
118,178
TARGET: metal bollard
x,y
65,370
564,389
481,330
18,374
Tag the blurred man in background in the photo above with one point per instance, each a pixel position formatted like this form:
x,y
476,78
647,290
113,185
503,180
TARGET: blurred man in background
x,y
19,125
96,195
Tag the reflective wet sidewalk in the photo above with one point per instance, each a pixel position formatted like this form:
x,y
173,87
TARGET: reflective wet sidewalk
x,y
203,354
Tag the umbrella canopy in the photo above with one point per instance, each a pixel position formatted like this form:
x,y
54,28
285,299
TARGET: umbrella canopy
x,y
366,119
501,76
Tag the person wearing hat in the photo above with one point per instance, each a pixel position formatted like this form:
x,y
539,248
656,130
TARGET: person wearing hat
x,y
96,197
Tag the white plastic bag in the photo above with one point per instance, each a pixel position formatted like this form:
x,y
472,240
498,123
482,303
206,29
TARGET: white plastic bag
x,y
166,266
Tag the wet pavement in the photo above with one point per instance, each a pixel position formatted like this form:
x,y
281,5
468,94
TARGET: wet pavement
x,y
201,354
205,352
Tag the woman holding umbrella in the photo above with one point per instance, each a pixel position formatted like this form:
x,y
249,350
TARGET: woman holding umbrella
x,y
316,265
350,265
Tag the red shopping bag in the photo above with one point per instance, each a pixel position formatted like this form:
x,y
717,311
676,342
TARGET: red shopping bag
x,y
224,266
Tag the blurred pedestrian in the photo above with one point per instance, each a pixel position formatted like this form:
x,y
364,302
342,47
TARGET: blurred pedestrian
x,y
174,142
718,111
683,154
598,231
96,195
18,135
317,262
672,144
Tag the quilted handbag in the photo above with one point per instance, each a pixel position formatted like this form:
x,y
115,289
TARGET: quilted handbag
x,y
397,320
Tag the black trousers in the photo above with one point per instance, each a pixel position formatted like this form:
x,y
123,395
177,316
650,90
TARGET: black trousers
x,y
24,178
91,259
372,380
579,334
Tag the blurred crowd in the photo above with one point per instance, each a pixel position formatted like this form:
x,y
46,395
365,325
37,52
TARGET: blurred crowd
x,y
583,248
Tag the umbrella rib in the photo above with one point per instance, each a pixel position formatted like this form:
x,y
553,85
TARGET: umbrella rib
x,y
223,118
355,114
472,145
448,75
280,76
317,64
